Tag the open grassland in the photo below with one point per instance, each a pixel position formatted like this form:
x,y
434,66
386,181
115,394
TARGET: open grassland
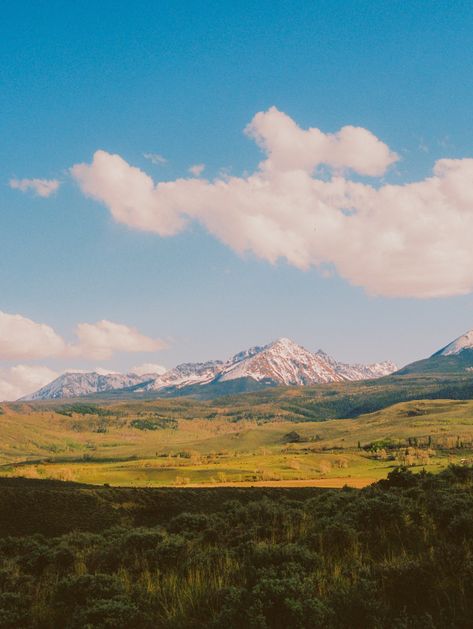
x,y
187,442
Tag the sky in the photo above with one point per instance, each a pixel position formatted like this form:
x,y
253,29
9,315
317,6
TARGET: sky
x,y
181,181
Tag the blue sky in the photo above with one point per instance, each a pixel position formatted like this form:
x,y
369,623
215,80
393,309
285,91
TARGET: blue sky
x,y
183,80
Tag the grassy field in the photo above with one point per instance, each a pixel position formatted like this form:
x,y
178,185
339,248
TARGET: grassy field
x,y
185,442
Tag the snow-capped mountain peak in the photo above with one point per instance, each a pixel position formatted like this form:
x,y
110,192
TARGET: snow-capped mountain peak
x,y
458,345
283,362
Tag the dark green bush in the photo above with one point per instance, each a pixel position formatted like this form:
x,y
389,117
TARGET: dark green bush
x,y
397,554
14,610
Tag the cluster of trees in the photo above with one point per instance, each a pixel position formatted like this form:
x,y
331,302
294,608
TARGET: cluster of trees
x,y
159,423
397,554
84,409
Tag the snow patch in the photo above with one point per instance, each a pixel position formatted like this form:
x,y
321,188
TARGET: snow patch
x,y
458,345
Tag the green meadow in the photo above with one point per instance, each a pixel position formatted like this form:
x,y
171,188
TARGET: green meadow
x,y
179,442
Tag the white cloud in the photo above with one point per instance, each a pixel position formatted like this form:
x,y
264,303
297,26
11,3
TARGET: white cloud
x,y
40,187
128,192
290,148
23,380
22,338
411,240
146,368
102,339
197,169
155,158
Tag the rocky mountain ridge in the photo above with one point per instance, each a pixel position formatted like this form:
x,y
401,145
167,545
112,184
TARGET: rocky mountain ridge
x,y
280,362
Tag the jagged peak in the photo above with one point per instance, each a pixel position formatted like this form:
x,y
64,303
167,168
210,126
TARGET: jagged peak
x,y
283,340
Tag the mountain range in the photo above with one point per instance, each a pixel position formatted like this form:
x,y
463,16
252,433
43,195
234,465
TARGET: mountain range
x,y
281,362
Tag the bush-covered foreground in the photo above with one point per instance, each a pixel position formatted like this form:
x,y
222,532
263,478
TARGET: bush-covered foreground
x,y
396,554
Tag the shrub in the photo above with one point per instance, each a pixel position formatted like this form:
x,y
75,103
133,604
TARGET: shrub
x,y
14,610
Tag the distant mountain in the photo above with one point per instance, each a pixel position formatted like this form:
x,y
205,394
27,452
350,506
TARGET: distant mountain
x,y
280,362
80,384
359,371
187,374
456,357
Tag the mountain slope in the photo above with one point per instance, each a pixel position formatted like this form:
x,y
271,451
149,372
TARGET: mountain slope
x,y
458,346
359,371
456,357
187,374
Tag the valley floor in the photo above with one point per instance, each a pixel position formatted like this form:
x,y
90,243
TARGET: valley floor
x,y
182,443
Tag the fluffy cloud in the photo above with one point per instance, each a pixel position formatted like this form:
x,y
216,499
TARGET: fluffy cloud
x,y
411,240
141,370
129,193
291,148
23,379
24,339
100,340
197,169
40,187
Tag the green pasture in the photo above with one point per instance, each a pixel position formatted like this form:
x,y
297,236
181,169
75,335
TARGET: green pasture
x,y
185,442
